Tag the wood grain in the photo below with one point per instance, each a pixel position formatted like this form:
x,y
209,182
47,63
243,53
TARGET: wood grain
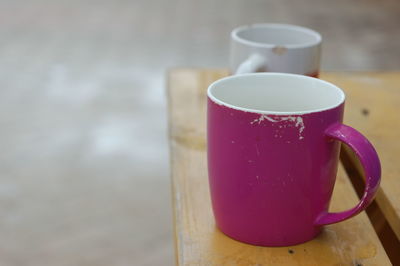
x,y
199,242
373,108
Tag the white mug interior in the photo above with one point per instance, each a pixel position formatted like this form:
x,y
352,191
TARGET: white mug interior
x,y
276,93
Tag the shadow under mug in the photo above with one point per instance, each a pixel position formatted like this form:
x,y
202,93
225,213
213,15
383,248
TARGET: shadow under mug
x,y
275,48
273,148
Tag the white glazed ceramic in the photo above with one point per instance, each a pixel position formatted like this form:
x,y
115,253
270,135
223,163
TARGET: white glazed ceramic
x,y
275,48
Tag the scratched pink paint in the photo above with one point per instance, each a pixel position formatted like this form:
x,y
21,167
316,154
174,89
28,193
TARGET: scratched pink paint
x,y
273,148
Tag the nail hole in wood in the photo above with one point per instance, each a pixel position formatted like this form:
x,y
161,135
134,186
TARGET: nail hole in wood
x,y
365,111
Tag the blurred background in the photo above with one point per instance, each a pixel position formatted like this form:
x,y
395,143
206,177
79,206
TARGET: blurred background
x,y
84,168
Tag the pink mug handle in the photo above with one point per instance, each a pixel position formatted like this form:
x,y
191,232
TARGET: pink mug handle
x,y
370,163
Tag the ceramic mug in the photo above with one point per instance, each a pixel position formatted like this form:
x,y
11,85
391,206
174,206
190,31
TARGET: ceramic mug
x,y
273,148
275,48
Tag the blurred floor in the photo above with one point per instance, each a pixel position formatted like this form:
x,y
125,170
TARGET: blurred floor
x,y
84,174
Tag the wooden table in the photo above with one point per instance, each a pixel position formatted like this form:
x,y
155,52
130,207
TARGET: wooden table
x,y
372,106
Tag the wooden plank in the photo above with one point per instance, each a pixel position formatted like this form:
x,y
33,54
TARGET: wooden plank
x,y
199,242
373,107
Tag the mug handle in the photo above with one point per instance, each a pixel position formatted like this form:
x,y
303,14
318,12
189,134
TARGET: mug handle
x,y
370,163
253,63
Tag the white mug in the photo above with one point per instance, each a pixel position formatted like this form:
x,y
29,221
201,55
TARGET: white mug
x,y
275,48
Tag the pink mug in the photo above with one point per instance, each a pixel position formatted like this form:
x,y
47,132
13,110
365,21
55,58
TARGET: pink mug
x,y
273,148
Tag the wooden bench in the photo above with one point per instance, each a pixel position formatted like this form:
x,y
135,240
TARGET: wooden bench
x,y
372,106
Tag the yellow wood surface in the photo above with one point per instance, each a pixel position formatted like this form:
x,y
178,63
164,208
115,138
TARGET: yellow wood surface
x,y
199,242
373,107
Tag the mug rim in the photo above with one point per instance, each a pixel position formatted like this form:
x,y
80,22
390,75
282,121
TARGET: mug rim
x,y
267,112
237,38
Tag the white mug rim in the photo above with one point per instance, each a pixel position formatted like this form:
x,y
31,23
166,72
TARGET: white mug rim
x,y
237,38
210,95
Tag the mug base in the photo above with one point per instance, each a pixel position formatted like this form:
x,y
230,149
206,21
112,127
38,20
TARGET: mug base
x,y
267,243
